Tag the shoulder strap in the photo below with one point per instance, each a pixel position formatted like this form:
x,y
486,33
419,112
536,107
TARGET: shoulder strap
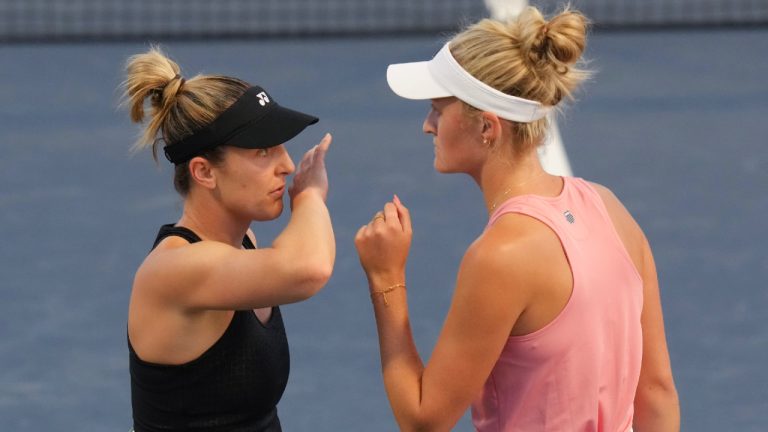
x,y
189,235
247,243
178,231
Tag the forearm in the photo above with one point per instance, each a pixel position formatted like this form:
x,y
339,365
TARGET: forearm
x,y
657,410
401,365
308,238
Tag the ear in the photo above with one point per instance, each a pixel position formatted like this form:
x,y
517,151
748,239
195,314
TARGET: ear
x,y
201,172
490,127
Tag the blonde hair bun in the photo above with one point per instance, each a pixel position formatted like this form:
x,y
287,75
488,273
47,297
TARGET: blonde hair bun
x,y
527,57
558,42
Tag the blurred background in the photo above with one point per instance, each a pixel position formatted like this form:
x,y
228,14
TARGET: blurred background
x,y
674,122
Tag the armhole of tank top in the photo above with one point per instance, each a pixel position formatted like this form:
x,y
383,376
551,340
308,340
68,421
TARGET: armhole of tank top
x,y
551,226
603,209
236,315
248,244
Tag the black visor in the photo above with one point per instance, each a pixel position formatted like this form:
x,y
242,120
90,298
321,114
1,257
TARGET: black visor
x,y
253,121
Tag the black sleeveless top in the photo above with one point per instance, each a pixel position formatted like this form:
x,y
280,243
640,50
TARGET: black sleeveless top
x,y
234,386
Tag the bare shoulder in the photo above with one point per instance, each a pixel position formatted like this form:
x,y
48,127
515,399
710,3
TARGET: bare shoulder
x,y
174,264
494,283
514,264
513,239
154,264
506,237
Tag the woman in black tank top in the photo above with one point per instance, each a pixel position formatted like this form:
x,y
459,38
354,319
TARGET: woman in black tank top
x,y
207,345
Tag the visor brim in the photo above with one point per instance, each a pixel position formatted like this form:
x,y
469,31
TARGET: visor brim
x,y
278,127
414,81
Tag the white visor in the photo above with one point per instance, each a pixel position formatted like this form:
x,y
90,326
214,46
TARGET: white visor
x,y
443,77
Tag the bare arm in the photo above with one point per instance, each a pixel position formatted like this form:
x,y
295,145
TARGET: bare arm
x,y
213,275
482,314
657,407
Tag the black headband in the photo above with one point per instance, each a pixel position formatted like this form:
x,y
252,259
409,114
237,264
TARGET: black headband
x,y
255,120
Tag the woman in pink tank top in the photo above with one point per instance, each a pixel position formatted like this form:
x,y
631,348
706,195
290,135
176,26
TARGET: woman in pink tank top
x,y
556,321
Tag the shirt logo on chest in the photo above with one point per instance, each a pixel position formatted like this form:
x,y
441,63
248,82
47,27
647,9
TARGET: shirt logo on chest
x,y
569,217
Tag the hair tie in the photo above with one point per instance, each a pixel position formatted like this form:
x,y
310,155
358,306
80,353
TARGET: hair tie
x,y
159,92
177,77
541,52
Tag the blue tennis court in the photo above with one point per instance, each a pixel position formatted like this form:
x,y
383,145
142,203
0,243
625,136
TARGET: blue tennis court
x,y
674,122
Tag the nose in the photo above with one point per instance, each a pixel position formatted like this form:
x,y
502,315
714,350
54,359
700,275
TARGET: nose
x,y
430,126
285,165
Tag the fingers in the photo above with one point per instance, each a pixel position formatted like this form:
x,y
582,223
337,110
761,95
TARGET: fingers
x,y
378,217
306,160
325,142
390,215
321,149
395,214
360,232
404,214
317,153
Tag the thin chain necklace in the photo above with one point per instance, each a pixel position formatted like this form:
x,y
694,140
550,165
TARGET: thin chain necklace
x,y
509,189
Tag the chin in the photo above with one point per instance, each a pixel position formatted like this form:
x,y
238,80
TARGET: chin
x,y
442,169
269,214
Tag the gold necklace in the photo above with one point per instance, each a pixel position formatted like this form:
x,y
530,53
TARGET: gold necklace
x,y
509,189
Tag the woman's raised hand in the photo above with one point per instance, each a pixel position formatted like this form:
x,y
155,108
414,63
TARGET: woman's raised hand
x,y
311,173
383,244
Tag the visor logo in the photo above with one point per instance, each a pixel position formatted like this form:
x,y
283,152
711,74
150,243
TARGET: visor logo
x,y
263,98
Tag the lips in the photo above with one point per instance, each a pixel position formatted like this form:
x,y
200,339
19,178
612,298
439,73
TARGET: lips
x,y
279,191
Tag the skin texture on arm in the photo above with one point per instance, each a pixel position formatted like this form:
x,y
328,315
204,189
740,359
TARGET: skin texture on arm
x,y
482,315
657,407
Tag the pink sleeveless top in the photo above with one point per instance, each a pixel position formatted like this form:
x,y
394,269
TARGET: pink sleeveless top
x,y
579,372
